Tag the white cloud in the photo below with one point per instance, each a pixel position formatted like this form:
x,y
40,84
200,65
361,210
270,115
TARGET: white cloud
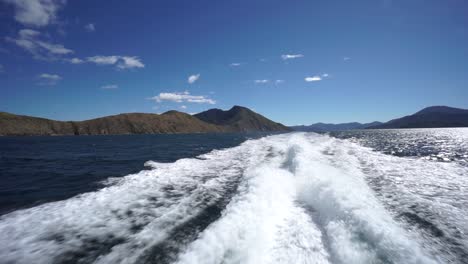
x,y
193,78
261,81
279,81
346,58
121,62
127,62
110,86
36,13
235,64
54,48
90,27
30,40
315,78
49,79
76,61
48,76
103,60
28,33
291,56
183,97
183,107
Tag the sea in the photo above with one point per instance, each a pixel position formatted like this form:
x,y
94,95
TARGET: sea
x,y
361,196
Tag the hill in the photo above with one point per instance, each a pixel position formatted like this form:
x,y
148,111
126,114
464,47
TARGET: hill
x,y
134,123
434,116
240,118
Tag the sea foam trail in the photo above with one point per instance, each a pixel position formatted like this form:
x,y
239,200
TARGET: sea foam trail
x,y
120,223
339,218
429,198
357,226
291,198
262,224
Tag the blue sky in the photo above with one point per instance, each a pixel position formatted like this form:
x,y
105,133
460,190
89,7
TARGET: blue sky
x,y
296,62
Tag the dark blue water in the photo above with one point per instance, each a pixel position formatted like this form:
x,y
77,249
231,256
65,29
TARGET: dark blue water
x,y
371,196
35,170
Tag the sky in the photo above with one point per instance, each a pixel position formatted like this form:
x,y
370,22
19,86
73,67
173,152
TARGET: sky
x,y
296,62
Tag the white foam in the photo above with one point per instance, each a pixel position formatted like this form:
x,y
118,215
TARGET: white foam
x,y
155,200
302,198
261,225
358,227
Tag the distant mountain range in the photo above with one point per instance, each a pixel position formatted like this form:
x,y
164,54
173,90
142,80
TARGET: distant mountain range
x,y
237,119
434,116
323,127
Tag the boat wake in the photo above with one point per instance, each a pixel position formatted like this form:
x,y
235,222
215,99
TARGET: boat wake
x,y
291,198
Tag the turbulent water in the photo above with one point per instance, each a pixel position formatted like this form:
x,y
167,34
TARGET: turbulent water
x,y
290,198
438,144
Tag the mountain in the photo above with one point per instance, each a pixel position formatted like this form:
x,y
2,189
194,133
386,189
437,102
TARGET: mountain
x,y
323,127
240,118
133,123
434,116
137,123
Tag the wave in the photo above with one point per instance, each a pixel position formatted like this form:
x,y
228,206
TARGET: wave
x,y
291,198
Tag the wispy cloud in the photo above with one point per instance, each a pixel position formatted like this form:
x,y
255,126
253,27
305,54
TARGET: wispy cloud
x,y
315,78
291,56
193,78
103,60
31,41
121,62
184,97
183,107
90,27
261,81
128,62
2,69
76,61
235,64
49,79
279,81
36,13
346,58
109,86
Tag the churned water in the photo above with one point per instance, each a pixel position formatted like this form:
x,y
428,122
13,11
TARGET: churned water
x,y
383,196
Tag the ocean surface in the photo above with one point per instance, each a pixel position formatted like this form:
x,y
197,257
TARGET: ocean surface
x,y
373,196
